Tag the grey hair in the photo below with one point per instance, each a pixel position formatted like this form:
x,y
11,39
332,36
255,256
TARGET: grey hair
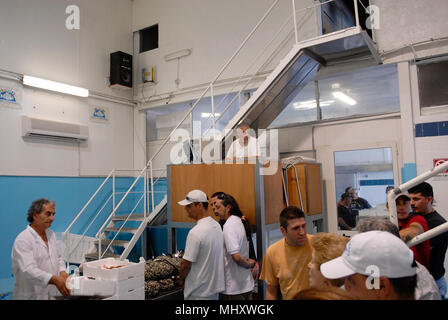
x,y
37,206
376,223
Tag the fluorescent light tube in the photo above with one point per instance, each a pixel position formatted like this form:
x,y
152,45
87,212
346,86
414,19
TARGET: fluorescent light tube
x,y
55,86
207,114
305,105
344,98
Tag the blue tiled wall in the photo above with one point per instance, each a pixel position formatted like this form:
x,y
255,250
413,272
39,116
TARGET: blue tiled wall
x,y
431,129
70,194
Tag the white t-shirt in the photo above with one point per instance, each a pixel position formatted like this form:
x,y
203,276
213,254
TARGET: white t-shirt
x,y
33,264
426,288
205,249
239,150
238,279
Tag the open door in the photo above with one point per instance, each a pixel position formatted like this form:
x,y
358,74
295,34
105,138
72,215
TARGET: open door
x,y
367,170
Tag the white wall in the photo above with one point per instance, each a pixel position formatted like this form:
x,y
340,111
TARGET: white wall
x,y
411,22
35,41
213,30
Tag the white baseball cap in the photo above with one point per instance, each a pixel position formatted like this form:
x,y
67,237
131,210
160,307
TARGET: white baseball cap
x,y
194,196
365,250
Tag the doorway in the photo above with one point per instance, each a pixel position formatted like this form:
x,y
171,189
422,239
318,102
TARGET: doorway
x,y
362,172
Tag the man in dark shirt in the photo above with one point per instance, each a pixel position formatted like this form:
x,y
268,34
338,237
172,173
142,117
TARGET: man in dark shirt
x,y
357,203
421,202
346,218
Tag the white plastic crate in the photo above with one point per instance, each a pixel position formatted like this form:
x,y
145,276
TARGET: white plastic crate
x,y
128,285
135,294
83,286
126,270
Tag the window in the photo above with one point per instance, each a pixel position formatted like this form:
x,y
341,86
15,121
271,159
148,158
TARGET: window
x,y
366,91
433,87
149,38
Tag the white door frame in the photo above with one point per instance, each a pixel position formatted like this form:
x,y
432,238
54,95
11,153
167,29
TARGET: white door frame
x,y
325,155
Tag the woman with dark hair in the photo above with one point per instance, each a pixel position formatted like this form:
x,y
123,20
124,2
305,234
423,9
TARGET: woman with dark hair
x,y
237,264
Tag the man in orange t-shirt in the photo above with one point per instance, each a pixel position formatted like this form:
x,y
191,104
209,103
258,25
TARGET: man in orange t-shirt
x,y
285,265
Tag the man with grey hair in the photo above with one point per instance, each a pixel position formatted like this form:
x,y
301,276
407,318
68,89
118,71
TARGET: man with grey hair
x,y
245,146
426,288
36,261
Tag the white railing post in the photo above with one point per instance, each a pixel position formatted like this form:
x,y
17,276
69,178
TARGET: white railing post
x,y
99,248
213,107
295,21
145,193
355,2
113,190
152,185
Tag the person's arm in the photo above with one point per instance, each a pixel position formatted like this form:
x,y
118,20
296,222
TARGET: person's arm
x,y
243,262
64,275
344,224
184,269
410,232
59,282
271,292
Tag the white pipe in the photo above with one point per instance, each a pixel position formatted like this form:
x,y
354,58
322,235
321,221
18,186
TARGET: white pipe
x,y
428,235
424,176
408,185
356,12
296,33
213,108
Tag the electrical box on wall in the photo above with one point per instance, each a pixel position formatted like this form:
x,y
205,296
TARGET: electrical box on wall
x,y
121,69
148,74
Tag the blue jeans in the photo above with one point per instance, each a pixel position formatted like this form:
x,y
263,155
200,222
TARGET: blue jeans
x,y
441,283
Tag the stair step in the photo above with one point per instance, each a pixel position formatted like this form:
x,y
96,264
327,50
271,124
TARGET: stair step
x,y
115,243
134,217
123,230
91,256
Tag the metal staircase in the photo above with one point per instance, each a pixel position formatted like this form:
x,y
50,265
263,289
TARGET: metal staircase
x,y
120,230
116,226
286,80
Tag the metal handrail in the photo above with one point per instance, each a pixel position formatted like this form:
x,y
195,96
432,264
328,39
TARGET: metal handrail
x,y
122,199
119,230
406,186
292,16
90,200
262,51
88,227
216,78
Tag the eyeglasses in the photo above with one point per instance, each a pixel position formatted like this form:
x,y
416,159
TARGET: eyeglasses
x,y
220,196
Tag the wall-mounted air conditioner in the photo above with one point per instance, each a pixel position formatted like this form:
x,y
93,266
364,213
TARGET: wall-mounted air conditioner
x,y
41,128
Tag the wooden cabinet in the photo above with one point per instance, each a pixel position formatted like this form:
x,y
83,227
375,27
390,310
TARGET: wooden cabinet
x,y
243,181
310,181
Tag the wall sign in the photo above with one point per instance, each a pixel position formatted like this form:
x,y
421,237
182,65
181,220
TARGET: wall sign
x,y
99,114
437,162
9,97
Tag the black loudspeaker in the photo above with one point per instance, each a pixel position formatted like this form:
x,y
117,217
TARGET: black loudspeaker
x,y
121,69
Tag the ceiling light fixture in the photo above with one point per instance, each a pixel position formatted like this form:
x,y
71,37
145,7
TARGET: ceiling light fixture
x,y
55,86
178,54
344,98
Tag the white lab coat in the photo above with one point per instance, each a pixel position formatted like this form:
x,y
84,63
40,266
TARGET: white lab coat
x,y
33,264
239,150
